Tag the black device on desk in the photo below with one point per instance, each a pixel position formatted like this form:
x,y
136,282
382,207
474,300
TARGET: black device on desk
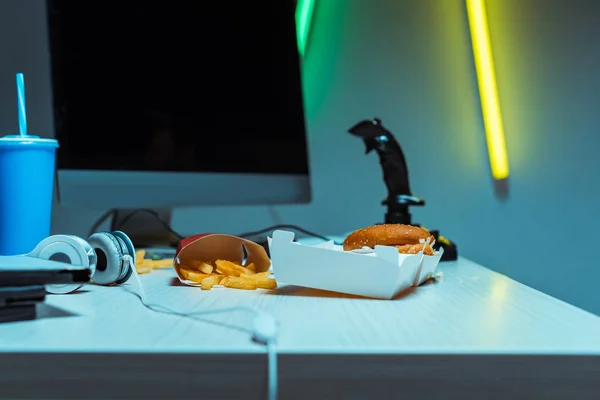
x,y
395,175
23,281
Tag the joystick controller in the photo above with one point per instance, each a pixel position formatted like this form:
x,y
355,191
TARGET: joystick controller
x,y
395,175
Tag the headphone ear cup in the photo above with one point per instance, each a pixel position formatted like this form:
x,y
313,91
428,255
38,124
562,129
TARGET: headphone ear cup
x,y
68,249
130,250
109,254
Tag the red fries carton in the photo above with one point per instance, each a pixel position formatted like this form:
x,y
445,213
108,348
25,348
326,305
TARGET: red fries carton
x,y
210,247
380,273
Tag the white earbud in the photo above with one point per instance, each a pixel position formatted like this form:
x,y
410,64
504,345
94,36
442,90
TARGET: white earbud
x,y
264,328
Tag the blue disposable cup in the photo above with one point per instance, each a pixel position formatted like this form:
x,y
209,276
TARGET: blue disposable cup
x,y
26,191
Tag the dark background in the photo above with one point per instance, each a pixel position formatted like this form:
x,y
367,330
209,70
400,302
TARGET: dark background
x,y
177,85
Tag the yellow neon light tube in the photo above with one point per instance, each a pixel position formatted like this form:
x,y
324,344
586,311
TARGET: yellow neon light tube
x,y
488,91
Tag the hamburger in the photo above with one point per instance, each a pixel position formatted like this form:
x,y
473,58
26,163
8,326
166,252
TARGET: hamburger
x,y
406,238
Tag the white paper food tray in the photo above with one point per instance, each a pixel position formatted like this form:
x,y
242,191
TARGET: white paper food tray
x,y
381,273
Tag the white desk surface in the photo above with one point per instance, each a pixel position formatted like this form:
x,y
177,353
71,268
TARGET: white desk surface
x,y
469,332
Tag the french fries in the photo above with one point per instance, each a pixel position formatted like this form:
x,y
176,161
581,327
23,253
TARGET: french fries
x,y
239,283
192,275
226,273
201,266
262,280
145,265
230,268
208,282
143,269
159,264
260,275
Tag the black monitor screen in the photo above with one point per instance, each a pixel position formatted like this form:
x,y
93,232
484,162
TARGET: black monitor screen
x,y
177,85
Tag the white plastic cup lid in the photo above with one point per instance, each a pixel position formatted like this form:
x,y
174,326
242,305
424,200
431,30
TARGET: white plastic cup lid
x,y
19,140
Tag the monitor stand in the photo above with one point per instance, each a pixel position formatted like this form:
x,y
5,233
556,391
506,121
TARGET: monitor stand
x,y
144,229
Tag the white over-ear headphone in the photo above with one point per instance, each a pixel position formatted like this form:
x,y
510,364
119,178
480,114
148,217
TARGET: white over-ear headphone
x,y
106,254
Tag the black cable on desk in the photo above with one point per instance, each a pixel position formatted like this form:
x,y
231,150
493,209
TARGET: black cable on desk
x,y
110,213
114,220
116,225
288,227
155,215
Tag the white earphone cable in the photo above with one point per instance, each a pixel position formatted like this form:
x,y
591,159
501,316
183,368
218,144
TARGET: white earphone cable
x,y
262,334
272,372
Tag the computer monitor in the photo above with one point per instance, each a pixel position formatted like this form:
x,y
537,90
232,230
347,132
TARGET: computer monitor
x,y
159,104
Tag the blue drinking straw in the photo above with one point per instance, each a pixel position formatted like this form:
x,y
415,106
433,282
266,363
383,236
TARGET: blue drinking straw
x,y
21,102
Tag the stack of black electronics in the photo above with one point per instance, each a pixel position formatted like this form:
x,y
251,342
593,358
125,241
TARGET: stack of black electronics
x,y
23,280
18,303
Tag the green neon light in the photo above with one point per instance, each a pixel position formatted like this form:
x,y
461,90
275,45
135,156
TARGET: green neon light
x,y
304,12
